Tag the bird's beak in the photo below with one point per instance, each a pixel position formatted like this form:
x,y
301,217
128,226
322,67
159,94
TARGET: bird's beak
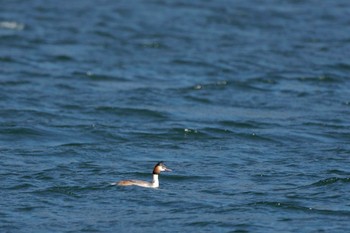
x,y
167,169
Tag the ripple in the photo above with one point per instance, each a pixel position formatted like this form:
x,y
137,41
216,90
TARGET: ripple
x,y
71,191
243,125
330,181
321,79
137,112
24,131
15,82
24,186
97,76
338,172
294,206
64,58
7,59
173,134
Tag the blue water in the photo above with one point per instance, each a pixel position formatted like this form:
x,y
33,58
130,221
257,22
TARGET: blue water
x,y
247,101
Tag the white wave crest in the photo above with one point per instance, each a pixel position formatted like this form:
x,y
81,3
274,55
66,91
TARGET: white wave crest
x,y
11,25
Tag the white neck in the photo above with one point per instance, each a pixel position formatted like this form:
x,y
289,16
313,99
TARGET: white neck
x,y
155,181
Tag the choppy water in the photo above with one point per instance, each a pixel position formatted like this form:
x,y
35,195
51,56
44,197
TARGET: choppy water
x,y
247,101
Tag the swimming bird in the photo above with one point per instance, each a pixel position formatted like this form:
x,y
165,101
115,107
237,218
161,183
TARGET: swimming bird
x,y
158,168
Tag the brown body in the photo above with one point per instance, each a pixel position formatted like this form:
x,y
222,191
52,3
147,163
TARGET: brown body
x,y
126,182
141,183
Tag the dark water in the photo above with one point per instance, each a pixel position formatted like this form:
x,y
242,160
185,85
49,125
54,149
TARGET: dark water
x,y
247,101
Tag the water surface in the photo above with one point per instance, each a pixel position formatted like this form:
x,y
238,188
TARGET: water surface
x,y
247,101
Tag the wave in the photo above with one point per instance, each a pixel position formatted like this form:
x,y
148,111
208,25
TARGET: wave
x,y
12,25
294,206
138,112
331,180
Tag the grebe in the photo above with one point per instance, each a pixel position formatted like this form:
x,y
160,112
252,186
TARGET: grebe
x,y
158,168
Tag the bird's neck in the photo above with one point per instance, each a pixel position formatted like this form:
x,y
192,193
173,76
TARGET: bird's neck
x,y
155,181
